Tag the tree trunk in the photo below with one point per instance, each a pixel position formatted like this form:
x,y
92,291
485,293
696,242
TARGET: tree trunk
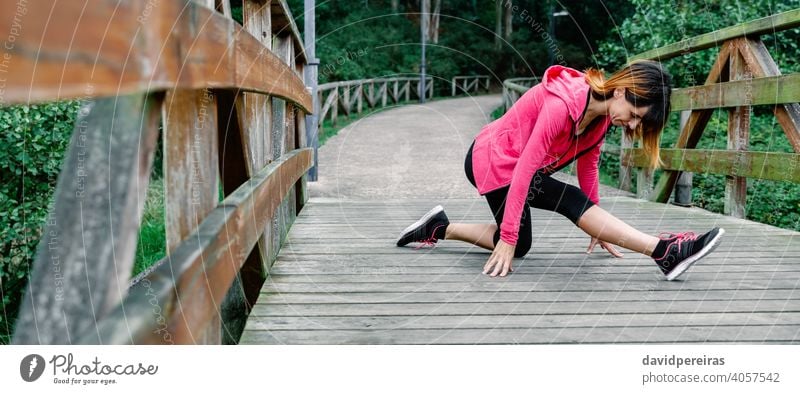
x,y
498,26
433,27
395,5
509,17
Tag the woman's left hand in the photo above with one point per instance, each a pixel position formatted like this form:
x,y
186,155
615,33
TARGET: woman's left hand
x,y
605,245
501,259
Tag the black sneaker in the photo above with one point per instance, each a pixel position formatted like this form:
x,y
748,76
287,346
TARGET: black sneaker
x,y
424,229
685,249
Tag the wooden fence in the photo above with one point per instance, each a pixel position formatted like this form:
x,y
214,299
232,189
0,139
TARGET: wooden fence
x,y
469,84
743,75
514,88
227,102
351,96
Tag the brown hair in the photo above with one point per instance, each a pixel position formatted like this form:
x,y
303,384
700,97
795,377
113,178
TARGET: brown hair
x,y
646,84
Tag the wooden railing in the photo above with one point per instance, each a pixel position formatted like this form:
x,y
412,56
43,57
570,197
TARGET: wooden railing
x,y
353,96
230,101
469,84
514,88
744,74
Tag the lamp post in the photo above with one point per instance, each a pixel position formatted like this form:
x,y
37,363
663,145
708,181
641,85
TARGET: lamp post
x,y
423,26
312,126
552,16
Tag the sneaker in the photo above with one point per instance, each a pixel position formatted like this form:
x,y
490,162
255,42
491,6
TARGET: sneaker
x,y
423,230
685,249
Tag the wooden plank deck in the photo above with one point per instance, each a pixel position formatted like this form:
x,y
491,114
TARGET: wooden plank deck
x,y
340,279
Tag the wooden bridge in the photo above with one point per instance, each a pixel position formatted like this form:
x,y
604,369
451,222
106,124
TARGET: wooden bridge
x,y
258,255
339,279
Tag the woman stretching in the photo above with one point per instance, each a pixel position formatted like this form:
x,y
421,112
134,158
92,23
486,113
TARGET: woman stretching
x,y
565,118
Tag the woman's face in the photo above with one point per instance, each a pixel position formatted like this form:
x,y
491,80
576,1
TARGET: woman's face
x,y
623,113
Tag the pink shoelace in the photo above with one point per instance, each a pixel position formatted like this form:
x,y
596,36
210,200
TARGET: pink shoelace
x,y
430,241
676,238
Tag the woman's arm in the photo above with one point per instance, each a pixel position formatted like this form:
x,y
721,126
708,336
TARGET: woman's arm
x,y
589,180
553,118
588,173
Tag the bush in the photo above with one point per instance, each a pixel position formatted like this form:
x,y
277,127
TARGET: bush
x,y
34,139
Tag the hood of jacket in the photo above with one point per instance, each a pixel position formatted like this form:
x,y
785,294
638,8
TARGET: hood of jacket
x,y
569,85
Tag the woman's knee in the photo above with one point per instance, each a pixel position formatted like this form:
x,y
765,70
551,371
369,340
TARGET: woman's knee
x,y
573,204
523,247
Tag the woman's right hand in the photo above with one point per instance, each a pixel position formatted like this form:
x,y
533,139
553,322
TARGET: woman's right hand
x,y
500,262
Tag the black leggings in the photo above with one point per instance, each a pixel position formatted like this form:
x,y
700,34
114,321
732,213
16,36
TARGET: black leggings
x,y
544,192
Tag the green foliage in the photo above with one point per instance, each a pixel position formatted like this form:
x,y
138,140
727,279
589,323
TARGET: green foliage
x,y
653,25
371,40
152,245
33,138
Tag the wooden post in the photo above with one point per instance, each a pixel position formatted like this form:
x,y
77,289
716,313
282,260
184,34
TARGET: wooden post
x,y
191,188
359,96
761,64
683,187
738,140
644,182
346,99
335,106
254,119
625,181
282,125
371,95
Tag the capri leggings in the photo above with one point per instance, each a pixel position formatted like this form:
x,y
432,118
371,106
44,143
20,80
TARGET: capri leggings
x,y
544,192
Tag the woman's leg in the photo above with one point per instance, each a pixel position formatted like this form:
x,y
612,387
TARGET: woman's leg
x,y
497,204
487,235
476,234
598,223
570,201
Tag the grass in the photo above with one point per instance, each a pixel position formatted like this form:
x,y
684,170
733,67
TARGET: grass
x,y
329,130
152,245
498,112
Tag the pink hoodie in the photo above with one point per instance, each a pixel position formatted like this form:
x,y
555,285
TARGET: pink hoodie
x,y
539,133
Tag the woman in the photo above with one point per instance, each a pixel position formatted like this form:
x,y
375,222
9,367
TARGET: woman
x,y
565,118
